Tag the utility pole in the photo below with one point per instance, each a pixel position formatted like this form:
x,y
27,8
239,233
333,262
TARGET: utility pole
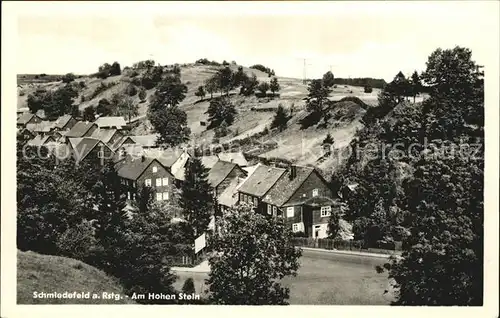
x,y
305,73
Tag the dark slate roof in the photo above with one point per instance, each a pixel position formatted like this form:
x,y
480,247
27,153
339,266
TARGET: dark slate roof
x,y
79,130
62,121
132,167
286,187
261,180
24,118
43,126
85,146
219,172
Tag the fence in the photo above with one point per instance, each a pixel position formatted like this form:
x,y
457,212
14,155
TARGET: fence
x,y
348,245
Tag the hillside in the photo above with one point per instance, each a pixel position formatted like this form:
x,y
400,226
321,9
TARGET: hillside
x,y
47,273
296,144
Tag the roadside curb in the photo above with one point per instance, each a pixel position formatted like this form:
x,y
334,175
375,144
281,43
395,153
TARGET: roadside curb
x,y
375,255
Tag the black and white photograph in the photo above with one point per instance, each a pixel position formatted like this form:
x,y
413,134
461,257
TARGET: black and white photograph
x,y
250,153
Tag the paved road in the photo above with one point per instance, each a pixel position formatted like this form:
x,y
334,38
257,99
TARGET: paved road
x,y
343,258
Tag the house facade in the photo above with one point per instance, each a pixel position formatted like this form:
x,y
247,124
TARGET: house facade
x,y
136,173
222,174
90,149
65,123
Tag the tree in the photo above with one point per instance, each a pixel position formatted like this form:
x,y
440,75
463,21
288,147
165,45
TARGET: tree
x,y
249,86
144,199
442,263
171,123
274,86
37,100
252,254
124,106
224,78
68,78
169,93
200,92
104,107
131,90
240,77
368,89
328,140
142,94
280,119
334,224
416,85
144,266
317,96
115,69
188,287
196,197
89,114
221,110
211,86
263,87
328,79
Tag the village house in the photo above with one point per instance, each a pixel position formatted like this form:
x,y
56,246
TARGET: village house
x,y
79,130
27,118
65,123
107,136
303,198
40,140
143,171
90,149
221,175
25,134
256,186
42,128
111,122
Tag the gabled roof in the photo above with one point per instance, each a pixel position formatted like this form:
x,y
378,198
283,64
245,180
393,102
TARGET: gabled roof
x,y
103,135
40,140
132,168
74,142
167,157
285,187
85,146
219,172
145,140
119,142
25,118
62,121
236,157
43,126
80,129
209,161
261,180
110,121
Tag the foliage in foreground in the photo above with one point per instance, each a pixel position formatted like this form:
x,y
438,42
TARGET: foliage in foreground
x,y
252,254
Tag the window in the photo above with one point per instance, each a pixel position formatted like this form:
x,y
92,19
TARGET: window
x,y
165,181
315,192
295,227
155,169
147,182
290,212
269,209
100,154
165,195
275,209
158,197
158,182
255,201
326,211
128,195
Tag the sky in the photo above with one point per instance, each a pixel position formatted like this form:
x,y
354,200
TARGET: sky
x,y
352,39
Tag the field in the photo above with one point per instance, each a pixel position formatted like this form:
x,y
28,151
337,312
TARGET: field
x,y
327,279
47,273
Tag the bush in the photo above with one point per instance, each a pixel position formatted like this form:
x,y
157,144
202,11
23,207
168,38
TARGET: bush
x,y
188,287
22,93
81,84
68,78
131,90
368,89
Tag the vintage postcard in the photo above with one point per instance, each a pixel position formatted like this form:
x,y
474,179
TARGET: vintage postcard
x,y
329,158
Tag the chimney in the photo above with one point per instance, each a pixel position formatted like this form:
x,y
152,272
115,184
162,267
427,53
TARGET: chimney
x,y
293,172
